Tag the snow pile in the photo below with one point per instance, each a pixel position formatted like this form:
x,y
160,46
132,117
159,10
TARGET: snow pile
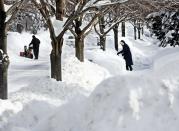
x,y
107,60
86,74
131,102
8,108
30,115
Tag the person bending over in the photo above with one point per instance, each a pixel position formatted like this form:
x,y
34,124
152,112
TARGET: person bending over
x,y
126,53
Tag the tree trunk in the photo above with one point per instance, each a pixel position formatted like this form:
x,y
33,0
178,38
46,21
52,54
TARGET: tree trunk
x,y
3,79
135,31
103,42
123,29
3,46
56,66
60,9
3,37
102,38
55,59
139,31
142,30
115,29
79,48
79,41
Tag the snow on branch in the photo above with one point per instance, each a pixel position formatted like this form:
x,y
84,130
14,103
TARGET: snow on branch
x,y
102,3
3,57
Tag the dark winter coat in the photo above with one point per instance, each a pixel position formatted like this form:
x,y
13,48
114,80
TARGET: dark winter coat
x,y
35,42
126,53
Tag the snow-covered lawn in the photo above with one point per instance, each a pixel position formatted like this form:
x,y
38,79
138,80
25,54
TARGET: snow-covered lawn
x,y
97,95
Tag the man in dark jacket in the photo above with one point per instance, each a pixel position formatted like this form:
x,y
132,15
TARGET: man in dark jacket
x,y
35,43
126,53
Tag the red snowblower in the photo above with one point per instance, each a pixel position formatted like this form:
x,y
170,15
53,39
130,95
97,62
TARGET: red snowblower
x,y
27,52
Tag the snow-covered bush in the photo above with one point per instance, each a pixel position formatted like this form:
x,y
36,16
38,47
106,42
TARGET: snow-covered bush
x,y
165,26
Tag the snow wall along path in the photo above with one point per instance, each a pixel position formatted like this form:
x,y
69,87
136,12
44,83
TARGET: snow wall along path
x,y
137,101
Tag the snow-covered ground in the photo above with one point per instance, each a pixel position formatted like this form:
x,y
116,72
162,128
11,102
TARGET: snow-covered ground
x,y
97,95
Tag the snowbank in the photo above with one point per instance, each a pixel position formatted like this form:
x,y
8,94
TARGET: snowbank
x,y
127,102
86,74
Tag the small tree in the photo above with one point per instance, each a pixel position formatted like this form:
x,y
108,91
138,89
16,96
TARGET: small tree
x,y
56,41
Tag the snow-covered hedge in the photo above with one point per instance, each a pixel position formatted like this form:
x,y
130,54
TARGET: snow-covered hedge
x,y
165,25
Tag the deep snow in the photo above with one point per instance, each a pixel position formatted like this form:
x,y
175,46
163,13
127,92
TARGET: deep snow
x,y
97,95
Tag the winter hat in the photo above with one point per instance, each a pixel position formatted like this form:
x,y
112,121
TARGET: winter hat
x,y
122,42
